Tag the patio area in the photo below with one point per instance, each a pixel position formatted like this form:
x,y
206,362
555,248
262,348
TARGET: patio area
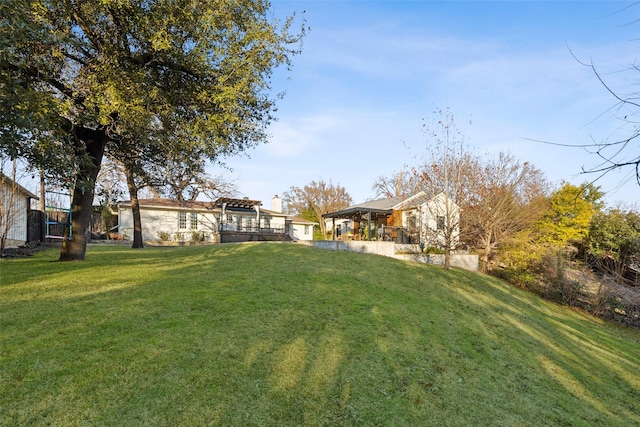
x,y
374,220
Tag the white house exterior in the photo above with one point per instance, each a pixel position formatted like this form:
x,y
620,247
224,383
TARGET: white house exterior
x,y
416,219
14,212
168,220
225,218
433,218
300,228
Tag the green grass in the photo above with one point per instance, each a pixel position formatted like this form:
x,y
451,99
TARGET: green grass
x,y
285,335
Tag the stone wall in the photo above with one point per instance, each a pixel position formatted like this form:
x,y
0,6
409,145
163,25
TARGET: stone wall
x,y
464,261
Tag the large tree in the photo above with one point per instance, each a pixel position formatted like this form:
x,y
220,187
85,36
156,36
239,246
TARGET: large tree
x,y
318,198
489,199
134,159
396,184
506,196
449,166
188,180
79,76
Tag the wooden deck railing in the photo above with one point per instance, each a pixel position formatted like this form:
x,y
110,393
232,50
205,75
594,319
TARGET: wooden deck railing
x,y
234,227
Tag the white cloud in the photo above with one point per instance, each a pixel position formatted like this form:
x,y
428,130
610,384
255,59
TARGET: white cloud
x,y
294,136
363,83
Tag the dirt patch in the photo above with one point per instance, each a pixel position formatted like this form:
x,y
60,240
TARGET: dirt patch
x,y
605,297
27,250
593,284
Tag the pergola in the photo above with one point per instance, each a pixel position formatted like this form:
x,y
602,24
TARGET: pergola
x,y
243,207
371,212
236,204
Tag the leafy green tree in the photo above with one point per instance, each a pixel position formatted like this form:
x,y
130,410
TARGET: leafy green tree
x,y
614,240
80,77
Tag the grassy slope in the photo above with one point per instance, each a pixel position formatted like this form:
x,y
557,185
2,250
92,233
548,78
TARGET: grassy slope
x,y
278,334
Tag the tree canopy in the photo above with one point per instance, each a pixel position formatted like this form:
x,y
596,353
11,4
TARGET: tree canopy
x,y
81,77
569,213
506,196
317,199
614,240
448,167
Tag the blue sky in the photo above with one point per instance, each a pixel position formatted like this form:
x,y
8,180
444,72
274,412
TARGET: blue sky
x,y
371,71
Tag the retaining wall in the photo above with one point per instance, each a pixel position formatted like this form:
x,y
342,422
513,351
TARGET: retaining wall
x,y
398,251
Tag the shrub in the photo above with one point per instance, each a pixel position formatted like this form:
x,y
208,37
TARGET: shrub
x,y
163,235
433,250
518,277
197,236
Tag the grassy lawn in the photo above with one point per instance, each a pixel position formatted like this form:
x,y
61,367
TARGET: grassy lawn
x,y
285,335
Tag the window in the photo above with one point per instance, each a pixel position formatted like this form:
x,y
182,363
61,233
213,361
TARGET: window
x,y
193,223
440,223
306,229
267,222
182,220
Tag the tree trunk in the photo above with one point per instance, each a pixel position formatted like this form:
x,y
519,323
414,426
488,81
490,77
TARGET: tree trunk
x,y
323,225
447,258
486,255
135,208
43,208
74,248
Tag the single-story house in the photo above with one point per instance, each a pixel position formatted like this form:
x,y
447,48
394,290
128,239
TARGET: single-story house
x,y
15,204
223,220
415,219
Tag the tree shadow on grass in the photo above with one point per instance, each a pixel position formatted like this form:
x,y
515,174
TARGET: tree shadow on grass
x,y
273,334
593,362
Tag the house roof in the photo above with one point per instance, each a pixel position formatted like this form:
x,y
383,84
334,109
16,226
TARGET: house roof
x,y
421,198
234,205
158,202
412,202
229,203
298,220
382,207
4,179
379,207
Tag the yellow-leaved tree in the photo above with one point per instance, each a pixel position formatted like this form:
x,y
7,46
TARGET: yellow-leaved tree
x,y
567,218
